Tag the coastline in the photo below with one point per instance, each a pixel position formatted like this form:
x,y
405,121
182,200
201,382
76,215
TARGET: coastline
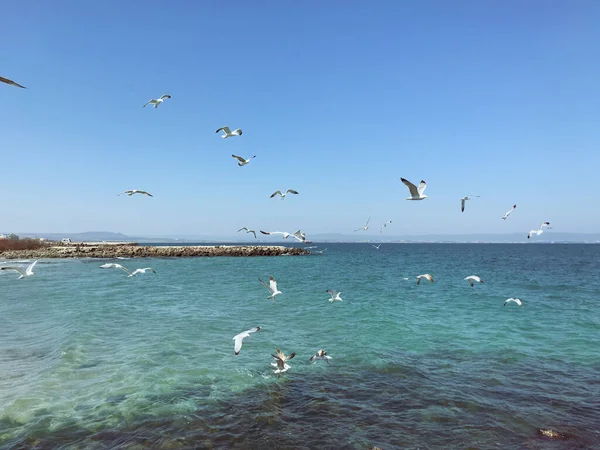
x,y
133,250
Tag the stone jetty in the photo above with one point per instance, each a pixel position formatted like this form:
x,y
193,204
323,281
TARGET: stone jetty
x,y
130,250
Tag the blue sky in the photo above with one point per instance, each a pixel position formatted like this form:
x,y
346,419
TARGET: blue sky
x,y
337,99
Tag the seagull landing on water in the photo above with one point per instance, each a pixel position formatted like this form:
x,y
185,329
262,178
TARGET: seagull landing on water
x,y
136,271
271,287
335,295
514,300
540,230
426,276
415,192
464,199
366,227
239,338
115,266
11,82
281,361
248,230
242,161
229,133
509,212
474,279
24,272
135,191
282,195
384,225
320,355
157,101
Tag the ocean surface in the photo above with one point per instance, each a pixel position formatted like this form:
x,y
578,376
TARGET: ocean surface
x,y
90,358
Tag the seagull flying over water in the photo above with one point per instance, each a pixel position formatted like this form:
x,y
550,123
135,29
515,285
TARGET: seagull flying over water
x,y
464,199
474,278
24,272
540,230
366,227
335,295
298,235
248,230
271,287
11,82
514,300
426,276
320,355
377,246
135,191
415,192
229,133
157,101
136,271
239,338
282,195
242,161
281,361
384,225
509,212
115,266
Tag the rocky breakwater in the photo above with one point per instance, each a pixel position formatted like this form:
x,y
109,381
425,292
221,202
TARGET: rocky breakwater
x,y
142,251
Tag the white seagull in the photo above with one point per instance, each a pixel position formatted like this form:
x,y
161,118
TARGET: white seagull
x,y
136,271
377,246
115,266
229,133
426,276
157,101
11,82
25,272
540,230
239,338
271,287
415,192
248,230
135,191
282,195
242,161
474,278
384,225
321,251
464,199
320,355
335,295
281,361
509,212
298,235
514,300
366,227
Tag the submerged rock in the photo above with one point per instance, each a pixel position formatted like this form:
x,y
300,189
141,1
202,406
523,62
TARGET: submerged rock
x,y
552,434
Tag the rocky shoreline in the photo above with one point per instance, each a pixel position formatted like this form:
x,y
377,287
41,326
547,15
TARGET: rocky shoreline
x,y
143,251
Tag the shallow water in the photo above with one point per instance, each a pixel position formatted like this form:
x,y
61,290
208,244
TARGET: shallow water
x,y
92,359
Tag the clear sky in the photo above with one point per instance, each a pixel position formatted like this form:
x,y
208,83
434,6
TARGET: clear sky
x,y
337,99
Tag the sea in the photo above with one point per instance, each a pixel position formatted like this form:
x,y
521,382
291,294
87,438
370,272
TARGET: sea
x,y
93,359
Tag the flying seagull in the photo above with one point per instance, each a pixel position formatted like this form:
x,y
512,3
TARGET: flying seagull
x,y
239,338
136,271
540,230
377,246
320,355
248,230
135,191
321,251
366,227
25,272
509,212
11,82
229,133
157,101
384,225
415,192
271,287
514,300
298,235
242,161
115,266
426,276
282,195
474,278
464,199
335,295
281,361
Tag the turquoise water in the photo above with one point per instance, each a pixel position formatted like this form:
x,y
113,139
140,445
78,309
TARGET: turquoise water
x,y
92,359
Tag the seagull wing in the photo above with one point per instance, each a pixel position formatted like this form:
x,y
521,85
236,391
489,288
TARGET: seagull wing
x,y
411,187
275,193
253,232
29,270
244,228
291,191
150,101
422,186
462,204
11,82
239,158
145,193
165,96
266,286
225,129
16,269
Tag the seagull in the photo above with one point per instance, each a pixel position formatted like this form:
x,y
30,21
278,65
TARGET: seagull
x,y
239,338
508,213
474,278
426,276
158,101
272,288
377,246
229,133
320,355
415,192
540,230
115,266
384,225
242,161
366,227
298,235
289,191
27,272
11,82
135,191
464,199
321,251
136,271
335,295
248,230
281,361
284,233
514,300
